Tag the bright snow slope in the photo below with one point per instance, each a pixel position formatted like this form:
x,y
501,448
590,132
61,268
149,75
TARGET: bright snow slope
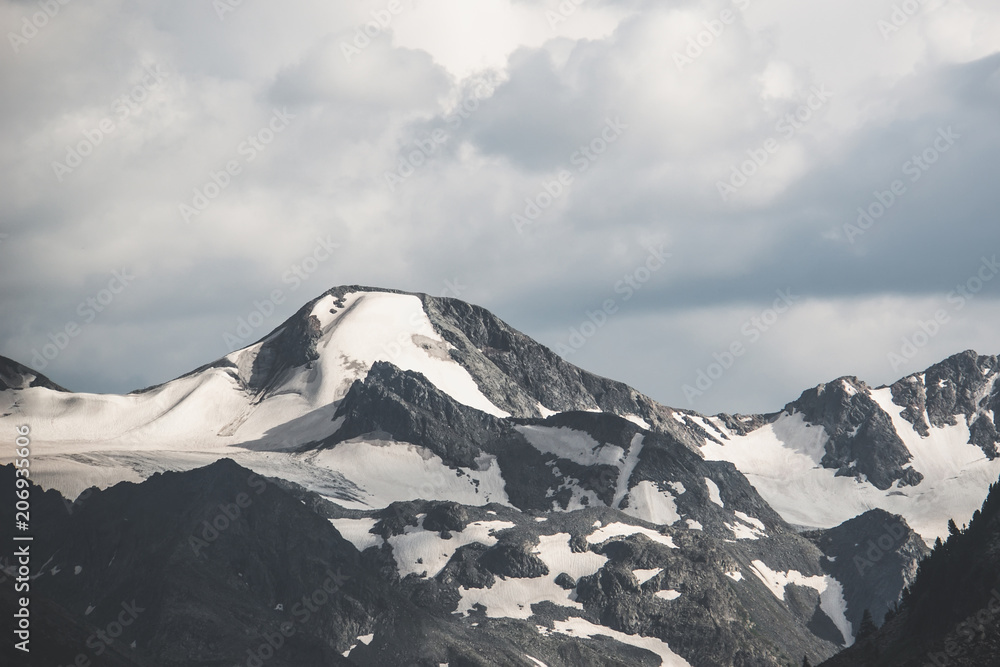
x,y
82,439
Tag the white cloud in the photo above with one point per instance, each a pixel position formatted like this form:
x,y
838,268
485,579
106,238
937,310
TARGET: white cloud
x,y
548,92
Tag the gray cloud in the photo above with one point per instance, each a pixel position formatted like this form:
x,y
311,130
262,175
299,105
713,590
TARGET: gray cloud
x,y
325,174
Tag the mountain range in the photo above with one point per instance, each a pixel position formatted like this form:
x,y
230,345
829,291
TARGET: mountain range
x,y
457,493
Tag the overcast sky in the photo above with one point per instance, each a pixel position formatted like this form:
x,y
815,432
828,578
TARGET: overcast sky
x,y
735,139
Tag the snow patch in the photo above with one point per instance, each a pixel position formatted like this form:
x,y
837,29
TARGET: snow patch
x,y
645,575
512,598
757,523
568,443
419,551
743,532
619,529
627,467
580,628
555,552
638,421
831,593
544,411
356,531
389,471
647,502
668,595
713,492
782,461
580,498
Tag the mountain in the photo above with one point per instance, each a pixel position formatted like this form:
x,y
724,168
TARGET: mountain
x,y
16,376
923,447
491,484
949,614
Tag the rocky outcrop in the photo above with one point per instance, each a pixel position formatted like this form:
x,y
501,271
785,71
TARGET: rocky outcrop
x,y
874,556
862,439
949,614
18,376
962,386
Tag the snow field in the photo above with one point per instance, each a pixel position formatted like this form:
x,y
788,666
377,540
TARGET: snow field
x,y
512,598
831,593
578,627
781,460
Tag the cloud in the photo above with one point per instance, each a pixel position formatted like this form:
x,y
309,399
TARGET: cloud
x,y
415,152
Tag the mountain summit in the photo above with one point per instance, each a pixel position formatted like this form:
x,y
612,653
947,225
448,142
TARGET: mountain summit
x,y
500,489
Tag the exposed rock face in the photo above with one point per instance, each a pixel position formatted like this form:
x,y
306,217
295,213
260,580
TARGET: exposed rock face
x,y
949,615
407,406
862,438
512,559
874,556
961,386
608,511
18,376
517,374
446,517
202,587
464,568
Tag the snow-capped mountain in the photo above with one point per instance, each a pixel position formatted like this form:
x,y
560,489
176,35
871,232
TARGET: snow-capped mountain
x,y
923,448
487,481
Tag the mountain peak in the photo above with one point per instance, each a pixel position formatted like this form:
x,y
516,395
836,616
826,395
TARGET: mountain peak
x,y
14,375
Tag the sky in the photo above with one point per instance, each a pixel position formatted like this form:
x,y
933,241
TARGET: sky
x,y
720,202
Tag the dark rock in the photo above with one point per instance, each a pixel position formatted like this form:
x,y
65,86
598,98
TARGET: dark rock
x,y
578,544
874,556
953,389
862,439
446,517
17,376
508,559
464,569
394,519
